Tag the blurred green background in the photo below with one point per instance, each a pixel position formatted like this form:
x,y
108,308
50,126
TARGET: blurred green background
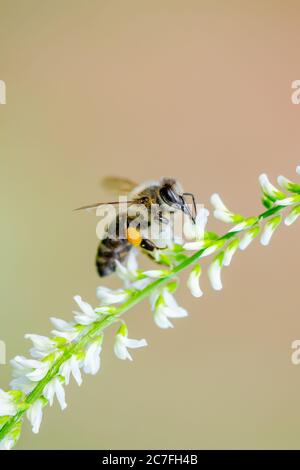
x,y
199,90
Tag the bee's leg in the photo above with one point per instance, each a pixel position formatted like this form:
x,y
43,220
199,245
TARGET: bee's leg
x,y
194,202
148,245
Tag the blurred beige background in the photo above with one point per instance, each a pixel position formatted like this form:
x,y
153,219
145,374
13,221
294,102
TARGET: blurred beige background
x,y
199,90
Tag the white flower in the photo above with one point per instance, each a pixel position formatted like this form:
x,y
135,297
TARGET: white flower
x,y
221,212
7,443
91,362
248,237
22,383
129,274
156,273
69,336
71,366
128,271
292,216
218,203
243,225
298,170
87,314
287,184
195,231
42,346
62,325
269,229
55,387
288,201
193,281
32,369
140,284
195,246
8,406
212,248
229,251
269,189
108,296
122,343
166,307
64,329
214,272
35,415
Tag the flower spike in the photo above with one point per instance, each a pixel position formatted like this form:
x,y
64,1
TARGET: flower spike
x,y
74,348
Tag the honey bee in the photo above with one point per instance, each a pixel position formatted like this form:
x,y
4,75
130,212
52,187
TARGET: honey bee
x,y
159,199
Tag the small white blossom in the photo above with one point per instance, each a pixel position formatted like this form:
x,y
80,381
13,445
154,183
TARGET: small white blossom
x,y
166,307
31,368
229,251
42,346
218,203
298,170
193,281
129,274
214,272
71,366
221,212
8,406
156,273
91,362
292,216
64,329
87,314
283,182
69,336
195,246
269,229
7,443
128,271
122,343
108,296
223,216
55,388
62,325
269,189
287,184
248,237
195,231
35,415
244,225
212,248
288,201
22,383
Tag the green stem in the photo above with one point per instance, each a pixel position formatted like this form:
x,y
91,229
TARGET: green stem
x,y
97,327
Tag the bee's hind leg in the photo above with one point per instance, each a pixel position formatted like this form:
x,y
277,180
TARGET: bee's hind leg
x,y
148,245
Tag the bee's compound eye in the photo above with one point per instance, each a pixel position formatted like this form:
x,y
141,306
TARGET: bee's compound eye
x,y
168,195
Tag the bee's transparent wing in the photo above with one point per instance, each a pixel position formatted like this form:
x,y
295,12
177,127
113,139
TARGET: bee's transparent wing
x,y
98,204
108,217
118,185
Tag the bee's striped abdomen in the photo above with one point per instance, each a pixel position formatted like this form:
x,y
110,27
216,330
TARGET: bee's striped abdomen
x,y
110,250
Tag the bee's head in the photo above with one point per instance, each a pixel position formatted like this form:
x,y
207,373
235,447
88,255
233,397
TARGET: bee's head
x,y
172,195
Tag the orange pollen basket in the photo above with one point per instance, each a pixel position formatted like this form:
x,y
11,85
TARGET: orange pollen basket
x,y
133,236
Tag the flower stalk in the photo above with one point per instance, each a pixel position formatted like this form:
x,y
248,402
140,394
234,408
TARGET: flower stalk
x,y
65,352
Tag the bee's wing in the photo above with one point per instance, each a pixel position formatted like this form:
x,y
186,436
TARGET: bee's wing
x,y
109,217
118,185
98,204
